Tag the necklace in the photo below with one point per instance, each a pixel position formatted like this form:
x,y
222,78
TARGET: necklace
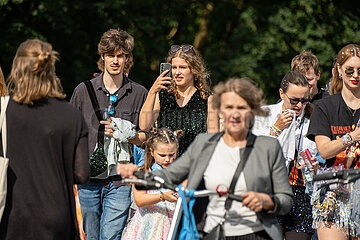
x,y
351,111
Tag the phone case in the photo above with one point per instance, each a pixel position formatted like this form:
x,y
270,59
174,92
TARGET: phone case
x,y
165,66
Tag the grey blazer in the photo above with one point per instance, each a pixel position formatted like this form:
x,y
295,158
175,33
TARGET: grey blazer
x,y
264,172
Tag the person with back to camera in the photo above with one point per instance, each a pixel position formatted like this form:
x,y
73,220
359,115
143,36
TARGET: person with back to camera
x,y
104,202
288,121
181,102
212,159
335,128
47,147
155,210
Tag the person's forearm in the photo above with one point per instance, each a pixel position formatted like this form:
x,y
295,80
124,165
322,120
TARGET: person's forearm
x,y
146,118
148,199
138,139
330,149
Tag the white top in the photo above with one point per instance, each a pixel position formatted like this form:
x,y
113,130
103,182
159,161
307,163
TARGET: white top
x,y
290,136
221,169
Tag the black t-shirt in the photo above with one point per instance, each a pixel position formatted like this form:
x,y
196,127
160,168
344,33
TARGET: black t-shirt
x,y
322,93
332,118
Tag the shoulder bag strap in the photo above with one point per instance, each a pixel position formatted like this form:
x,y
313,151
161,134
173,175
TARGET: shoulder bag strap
x,y
4,103
249,146
97,110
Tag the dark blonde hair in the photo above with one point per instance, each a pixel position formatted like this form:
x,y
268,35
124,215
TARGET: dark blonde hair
x,y
112,41
2,84
343,55
33,74
162,135
197,66
245,88
304,61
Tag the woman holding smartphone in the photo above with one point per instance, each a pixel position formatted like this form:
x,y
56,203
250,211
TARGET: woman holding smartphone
x,y
181,102
288,121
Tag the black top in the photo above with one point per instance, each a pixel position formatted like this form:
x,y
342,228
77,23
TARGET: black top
x,y
130,98
332,118
322,93
47,151
191,118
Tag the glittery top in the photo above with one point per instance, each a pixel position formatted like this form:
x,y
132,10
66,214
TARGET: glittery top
x,y
191,118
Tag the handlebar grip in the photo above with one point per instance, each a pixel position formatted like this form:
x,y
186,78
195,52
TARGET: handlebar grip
x,y
328,176
236,197
139,174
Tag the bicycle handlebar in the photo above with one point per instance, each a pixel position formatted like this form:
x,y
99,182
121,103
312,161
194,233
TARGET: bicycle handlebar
x,y
346,174
151,181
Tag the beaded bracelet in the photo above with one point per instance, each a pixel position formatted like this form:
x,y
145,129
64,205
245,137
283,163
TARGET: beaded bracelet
x,y
347,140
275,130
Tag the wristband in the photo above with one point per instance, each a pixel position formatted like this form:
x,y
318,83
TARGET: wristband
x,y
162,197
275,130
347,140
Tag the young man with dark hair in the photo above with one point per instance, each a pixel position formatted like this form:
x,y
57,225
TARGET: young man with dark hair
x,y
104,203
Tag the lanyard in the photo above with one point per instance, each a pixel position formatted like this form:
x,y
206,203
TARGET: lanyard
x,y
302,126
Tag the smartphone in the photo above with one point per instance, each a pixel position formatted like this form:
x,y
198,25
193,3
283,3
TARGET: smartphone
x,y
165,66
306,155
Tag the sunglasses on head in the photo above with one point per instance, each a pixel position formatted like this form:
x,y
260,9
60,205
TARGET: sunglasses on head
x,y
350,71
185,48
295,101
111,109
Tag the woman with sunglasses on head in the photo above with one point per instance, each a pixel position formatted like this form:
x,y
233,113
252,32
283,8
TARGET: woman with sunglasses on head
x,y
288,121
335,129
181,102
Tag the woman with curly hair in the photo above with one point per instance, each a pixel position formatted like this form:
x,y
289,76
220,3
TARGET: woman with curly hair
x,y
181,102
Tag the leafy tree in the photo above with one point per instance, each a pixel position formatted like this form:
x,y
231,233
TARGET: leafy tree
x,y
236,37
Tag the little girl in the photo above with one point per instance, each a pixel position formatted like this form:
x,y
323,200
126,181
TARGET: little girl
x,y
153,217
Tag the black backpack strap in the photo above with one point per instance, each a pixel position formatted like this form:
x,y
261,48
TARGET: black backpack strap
x,y
249,146
97,110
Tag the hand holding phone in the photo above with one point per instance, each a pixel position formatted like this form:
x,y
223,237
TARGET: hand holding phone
x,y
164,67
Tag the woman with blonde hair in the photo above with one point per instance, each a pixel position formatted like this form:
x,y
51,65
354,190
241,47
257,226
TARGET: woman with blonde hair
x,y
47,148
181,102
2,84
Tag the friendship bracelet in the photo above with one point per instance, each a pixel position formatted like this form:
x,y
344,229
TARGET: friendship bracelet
x,y
275,130
347,140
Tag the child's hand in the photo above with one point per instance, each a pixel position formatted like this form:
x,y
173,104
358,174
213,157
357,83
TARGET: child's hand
x,y
170,196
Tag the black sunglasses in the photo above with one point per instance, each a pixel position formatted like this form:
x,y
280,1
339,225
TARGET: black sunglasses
x,y
350,71
185,48
295,101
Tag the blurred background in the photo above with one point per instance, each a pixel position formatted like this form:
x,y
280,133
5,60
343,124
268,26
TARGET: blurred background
x,y
252,38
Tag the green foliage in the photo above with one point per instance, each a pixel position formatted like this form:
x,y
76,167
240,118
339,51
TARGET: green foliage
x,y
256,39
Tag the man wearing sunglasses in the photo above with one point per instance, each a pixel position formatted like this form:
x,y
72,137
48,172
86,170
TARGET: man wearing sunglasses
x,y
104,203
308,64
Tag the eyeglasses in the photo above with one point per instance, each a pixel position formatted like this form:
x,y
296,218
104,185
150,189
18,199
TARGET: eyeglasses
x,y
111,109
295,101
185,48
350,72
